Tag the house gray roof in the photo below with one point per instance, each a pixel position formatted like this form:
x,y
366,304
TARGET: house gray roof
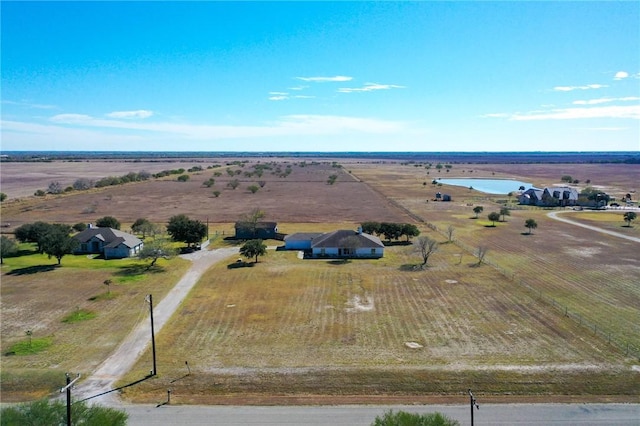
x,y
259,225
533,192
112,237
562,192
335,238
302,236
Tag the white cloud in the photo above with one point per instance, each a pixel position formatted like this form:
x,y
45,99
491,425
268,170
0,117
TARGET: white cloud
x,y
630,111
292,125
27,104
298,87
605,100
278,98
337,78
71,118
496,115
369,87
585,87
141,113
620,75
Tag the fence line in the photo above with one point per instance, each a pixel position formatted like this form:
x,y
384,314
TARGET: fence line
x,y
600,331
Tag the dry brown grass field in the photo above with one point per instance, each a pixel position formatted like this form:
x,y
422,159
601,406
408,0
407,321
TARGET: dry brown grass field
x,y
292,328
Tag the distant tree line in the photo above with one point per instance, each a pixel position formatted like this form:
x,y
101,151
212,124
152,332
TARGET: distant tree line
x,y
391,231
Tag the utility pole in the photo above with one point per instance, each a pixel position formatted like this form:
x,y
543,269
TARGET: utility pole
x,y
472,401
153,337
67,388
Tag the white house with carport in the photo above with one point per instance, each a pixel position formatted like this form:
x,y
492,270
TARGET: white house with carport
x,y
342,244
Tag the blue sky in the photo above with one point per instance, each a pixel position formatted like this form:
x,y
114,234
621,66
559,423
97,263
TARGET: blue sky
x,y
321,76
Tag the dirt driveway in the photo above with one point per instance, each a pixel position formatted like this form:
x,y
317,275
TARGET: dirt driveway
x,y
98,387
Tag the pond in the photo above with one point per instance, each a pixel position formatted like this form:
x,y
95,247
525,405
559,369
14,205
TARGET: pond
x,y
490,186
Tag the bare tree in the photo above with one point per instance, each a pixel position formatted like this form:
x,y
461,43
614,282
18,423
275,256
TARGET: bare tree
x,y
426,247
450,231
481,252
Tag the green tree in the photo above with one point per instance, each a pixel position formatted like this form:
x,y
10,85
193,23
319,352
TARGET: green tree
x,y
108,222
156,249
332,179
189,231
144,227
630,217
372,228
3,196
33,233
426,247
8,247
79,227
253,188
253,249
566,178
57,242
54,412
494,217
530,224
391,231
410,230
402,418
183,178
505,212
477,210
233,184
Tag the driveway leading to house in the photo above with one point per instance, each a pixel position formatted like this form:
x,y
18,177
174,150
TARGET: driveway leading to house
x,y
101,382
555,215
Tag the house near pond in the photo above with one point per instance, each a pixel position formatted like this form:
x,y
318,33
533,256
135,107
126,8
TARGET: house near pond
x,y
341,244
561,196
109,242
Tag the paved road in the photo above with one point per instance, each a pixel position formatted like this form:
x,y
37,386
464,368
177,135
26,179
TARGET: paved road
x,y
123,359
490,414
555,215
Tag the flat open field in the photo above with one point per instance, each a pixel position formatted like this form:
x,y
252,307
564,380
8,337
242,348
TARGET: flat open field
x,y
522,323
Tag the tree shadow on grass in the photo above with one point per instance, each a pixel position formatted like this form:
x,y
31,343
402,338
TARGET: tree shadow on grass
x,y
412,267
33,270
339,262
241,264
397,243
131,270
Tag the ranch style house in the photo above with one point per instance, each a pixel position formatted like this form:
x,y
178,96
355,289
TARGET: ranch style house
x,y
561,196
341,244
111,243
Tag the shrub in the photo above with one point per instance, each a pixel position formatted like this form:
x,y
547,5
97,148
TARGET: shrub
x,y
46,412
402,418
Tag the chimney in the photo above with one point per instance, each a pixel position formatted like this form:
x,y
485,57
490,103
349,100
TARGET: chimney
x,y
89,226
359,229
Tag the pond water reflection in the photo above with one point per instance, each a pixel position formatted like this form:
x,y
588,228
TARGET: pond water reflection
x,y
490,186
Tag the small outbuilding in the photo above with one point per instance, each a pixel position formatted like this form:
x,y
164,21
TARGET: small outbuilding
x,y
261,230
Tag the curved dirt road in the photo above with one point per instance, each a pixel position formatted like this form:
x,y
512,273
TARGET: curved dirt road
x,y
554,215
122,360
